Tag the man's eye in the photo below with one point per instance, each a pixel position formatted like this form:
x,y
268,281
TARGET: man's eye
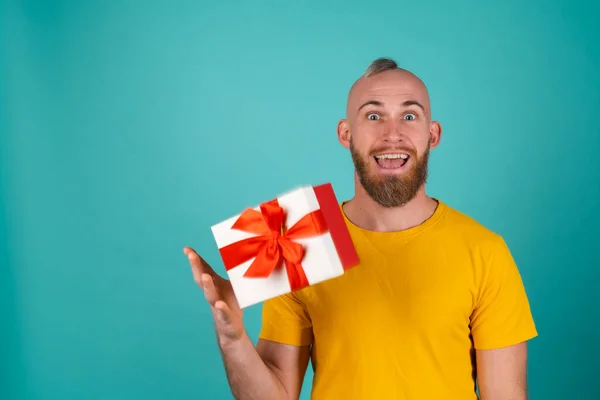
x,y
373,117
410,117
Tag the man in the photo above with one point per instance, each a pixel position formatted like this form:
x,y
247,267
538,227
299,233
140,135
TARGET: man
x,y
437,305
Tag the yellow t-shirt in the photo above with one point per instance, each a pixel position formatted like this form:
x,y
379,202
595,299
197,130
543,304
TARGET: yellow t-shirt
x,y
404,324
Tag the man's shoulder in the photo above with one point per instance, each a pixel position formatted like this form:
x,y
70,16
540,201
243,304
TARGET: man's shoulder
x,y
464,225
479,240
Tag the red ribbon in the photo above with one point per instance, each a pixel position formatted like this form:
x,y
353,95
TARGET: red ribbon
x,y
274,243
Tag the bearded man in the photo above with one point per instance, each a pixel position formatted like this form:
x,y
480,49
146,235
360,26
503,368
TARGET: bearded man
x,y
437,308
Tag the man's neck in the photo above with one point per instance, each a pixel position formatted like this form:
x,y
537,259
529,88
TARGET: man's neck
x,y
365,213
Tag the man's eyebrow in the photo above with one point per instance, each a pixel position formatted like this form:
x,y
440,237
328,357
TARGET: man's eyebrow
x,y
370,103
407,103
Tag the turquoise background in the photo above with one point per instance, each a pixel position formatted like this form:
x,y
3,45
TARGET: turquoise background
x,y
129,128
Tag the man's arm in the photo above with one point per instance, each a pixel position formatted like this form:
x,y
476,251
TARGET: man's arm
x,y
502,373
288,363
501,325
269,371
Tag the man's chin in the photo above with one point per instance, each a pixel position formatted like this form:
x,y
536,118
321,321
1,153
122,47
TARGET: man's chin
x,y
388,176
388,190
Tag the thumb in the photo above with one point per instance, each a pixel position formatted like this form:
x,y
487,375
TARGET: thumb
x,y
223,313
228,324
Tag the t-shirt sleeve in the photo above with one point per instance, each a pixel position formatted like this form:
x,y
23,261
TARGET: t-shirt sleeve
x,y
285,319
502,316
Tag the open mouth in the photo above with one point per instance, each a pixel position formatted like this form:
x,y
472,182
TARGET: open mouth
x,y
392,160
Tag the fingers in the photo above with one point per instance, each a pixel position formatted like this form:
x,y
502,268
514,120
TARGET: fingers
x,y
221,310
210,291
204,276
199,266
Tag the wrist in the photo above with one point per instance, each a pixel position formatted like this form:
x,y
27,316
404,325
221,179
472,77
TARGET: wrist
x,y
228,342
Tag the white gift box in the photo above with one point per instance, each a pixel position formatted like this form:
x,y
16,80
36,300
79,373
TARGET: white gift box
x,y
298,239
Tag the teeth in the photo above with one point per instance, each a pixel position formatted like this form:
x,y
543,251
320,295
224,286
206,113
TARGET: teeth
x,y
393,156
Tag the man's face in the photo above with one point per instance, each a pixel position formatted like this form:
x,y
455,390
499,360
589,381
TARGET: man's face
x,y
389,133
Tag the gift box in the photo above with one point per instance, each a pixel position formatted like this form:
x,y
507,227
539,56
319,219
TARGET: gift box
x,y
298,239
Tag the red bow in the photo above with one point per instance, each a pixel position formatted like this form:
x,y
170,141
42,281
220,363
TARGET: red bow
x,y
274,242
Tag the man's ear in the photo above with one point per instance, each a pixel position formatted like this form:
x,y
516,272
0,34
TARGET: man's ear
x,y
435,132
343,132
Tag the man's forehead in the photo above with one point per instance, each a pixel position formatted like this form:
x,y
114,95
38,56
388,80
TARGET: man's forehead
x,y
401,85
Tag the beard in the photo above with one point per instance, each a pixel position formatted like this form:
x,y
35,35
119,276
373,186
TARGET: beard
x,y
391,190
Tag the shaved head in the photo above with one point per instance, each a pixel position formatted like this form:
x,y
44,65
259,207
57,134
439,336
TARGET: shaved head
x,y
384,69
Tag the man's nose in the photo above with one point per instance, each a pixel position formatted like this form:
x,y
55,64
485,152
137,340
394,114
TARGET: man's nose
x,y
393,131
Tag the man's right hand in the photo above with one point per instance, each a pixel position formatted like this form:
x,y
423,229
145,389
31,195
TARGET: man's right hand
x,y
221,298
271,371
